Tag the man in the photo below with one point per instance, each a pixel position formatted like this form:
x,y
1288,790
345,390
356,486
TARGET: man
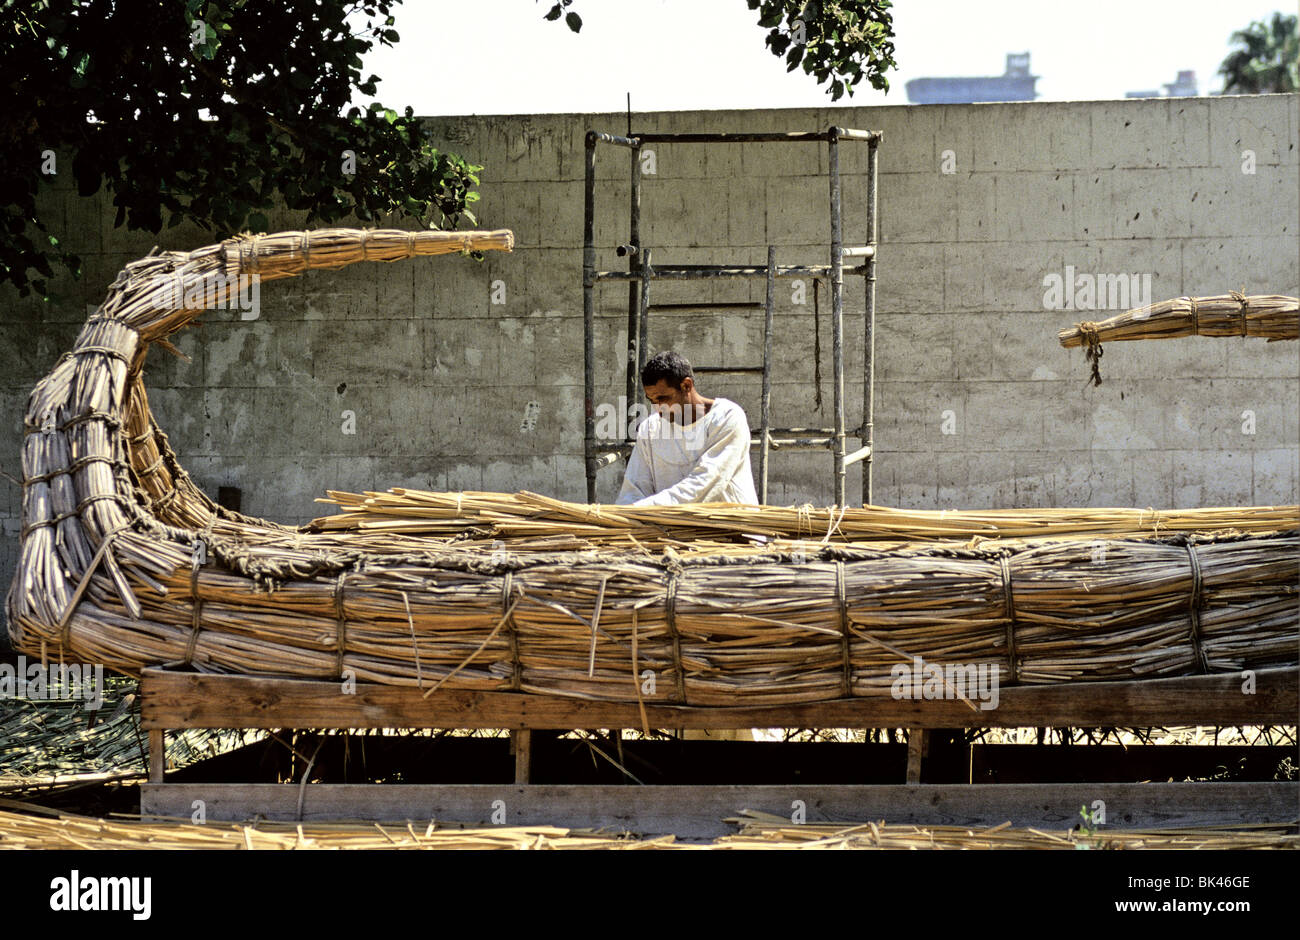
x,y
690,449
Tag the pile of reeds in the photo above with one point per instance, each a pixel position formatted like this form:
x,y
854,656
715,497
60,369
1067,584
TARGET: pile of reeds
x,y
1270,316
528,521
31,827
48,743
124,562
35,829
762,830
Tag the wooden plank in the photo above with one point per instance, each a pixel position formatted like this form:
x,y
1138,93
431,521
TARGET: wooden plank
x,y
699,812
521,740
918,740
187,700
157,754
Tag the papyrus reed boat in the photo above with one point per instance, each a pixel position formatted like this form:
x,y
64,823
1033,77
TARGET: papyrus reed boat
x,y
124,561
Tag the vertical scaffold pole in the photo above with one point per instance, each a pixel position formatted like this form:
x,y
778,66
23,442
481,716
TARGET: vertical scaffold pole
x,y
869,332
766,426
589,318
635,339
837,310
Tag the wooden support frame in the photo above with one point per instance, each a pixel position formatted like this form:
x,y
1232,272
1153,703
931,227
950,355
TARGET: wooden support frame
x,y
702,811
190,700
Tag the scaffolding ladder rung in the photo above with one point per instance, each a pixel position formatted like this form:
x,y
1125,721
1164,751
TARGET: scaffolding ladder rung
x,y
710,305
718,271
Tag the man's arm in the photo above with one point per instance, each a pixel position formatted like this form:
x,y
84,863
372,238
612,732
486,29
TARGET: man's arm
x,y
721,460
637,484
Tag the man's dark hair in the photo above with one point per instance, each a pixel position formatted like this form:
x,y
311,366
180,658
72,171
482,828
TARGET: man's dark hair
x,y
666,365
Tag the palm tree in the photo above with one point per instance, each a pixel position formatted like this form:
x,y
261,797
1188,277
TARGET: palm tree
x,y
1266,61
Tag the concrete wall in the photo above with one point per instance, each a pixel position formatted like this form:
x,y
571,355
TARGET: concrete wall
x,y
439,377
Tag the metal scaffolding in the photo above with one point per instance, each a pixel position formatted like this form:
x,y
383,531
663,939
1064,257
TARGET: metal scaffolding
x,y
642,272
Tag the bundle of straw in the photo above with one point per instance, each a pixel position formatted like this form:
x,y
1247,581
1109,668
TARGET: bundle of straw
x,y
1270,316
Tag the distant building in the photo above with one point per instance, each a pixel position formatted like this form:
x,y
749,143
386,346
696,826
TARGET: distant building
x,y
1016,85
1184,86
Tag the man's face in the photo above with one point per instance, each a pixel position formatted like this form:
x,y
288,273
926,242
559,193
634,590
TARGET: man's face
x,y
668,401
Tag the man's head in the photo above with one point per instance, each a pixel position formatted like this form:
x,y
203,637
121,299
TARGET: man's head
x,y
669,384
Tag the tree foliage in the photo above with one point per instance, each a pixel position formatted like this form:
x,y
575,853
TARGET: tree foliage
x,y
840,41
1267,60
212,111
837,41
216,111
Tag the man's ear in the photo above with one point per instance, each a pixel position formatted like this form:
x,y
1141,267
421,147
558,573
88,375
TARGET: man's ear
x,y
688,383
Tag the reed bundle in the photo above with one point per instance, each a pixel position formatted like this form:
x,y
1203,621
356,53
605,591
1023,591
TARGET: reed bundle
x,y
124,562
762,830
1270,316
525,520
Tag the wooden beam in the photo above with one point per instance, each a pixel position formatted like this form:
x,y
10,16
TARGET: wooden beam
x,y
701,811
188,700
157,754
918,741
521,742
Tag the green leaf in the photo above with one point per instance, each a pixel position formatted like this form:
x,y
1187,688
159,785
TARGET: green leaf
x,y
574,21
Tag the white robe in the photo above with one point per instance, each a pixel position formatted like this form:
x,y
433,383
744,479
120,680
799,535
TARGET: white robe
x,y
703,462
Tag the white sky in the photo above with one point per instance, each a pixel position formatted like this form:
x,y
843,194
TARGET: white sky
x,y
501,57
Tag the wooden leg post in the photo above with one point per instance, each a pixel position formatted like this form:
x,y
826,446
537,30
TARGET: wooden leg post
x,y
157,754
918,741
522,739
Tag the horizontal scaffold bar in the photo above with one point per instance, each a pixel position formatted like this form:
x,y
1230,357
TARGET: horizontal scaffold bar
x,y
594,137
842,133
683,272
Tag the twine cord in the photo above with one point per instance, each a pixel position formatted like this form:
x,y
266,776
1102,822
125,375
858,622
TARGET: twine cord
x,y
65,622
196,612
636,676
595,625
841,596
1193,609
1243,305
516,668
1009,600
415,649
341,623
1093,351
670,615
